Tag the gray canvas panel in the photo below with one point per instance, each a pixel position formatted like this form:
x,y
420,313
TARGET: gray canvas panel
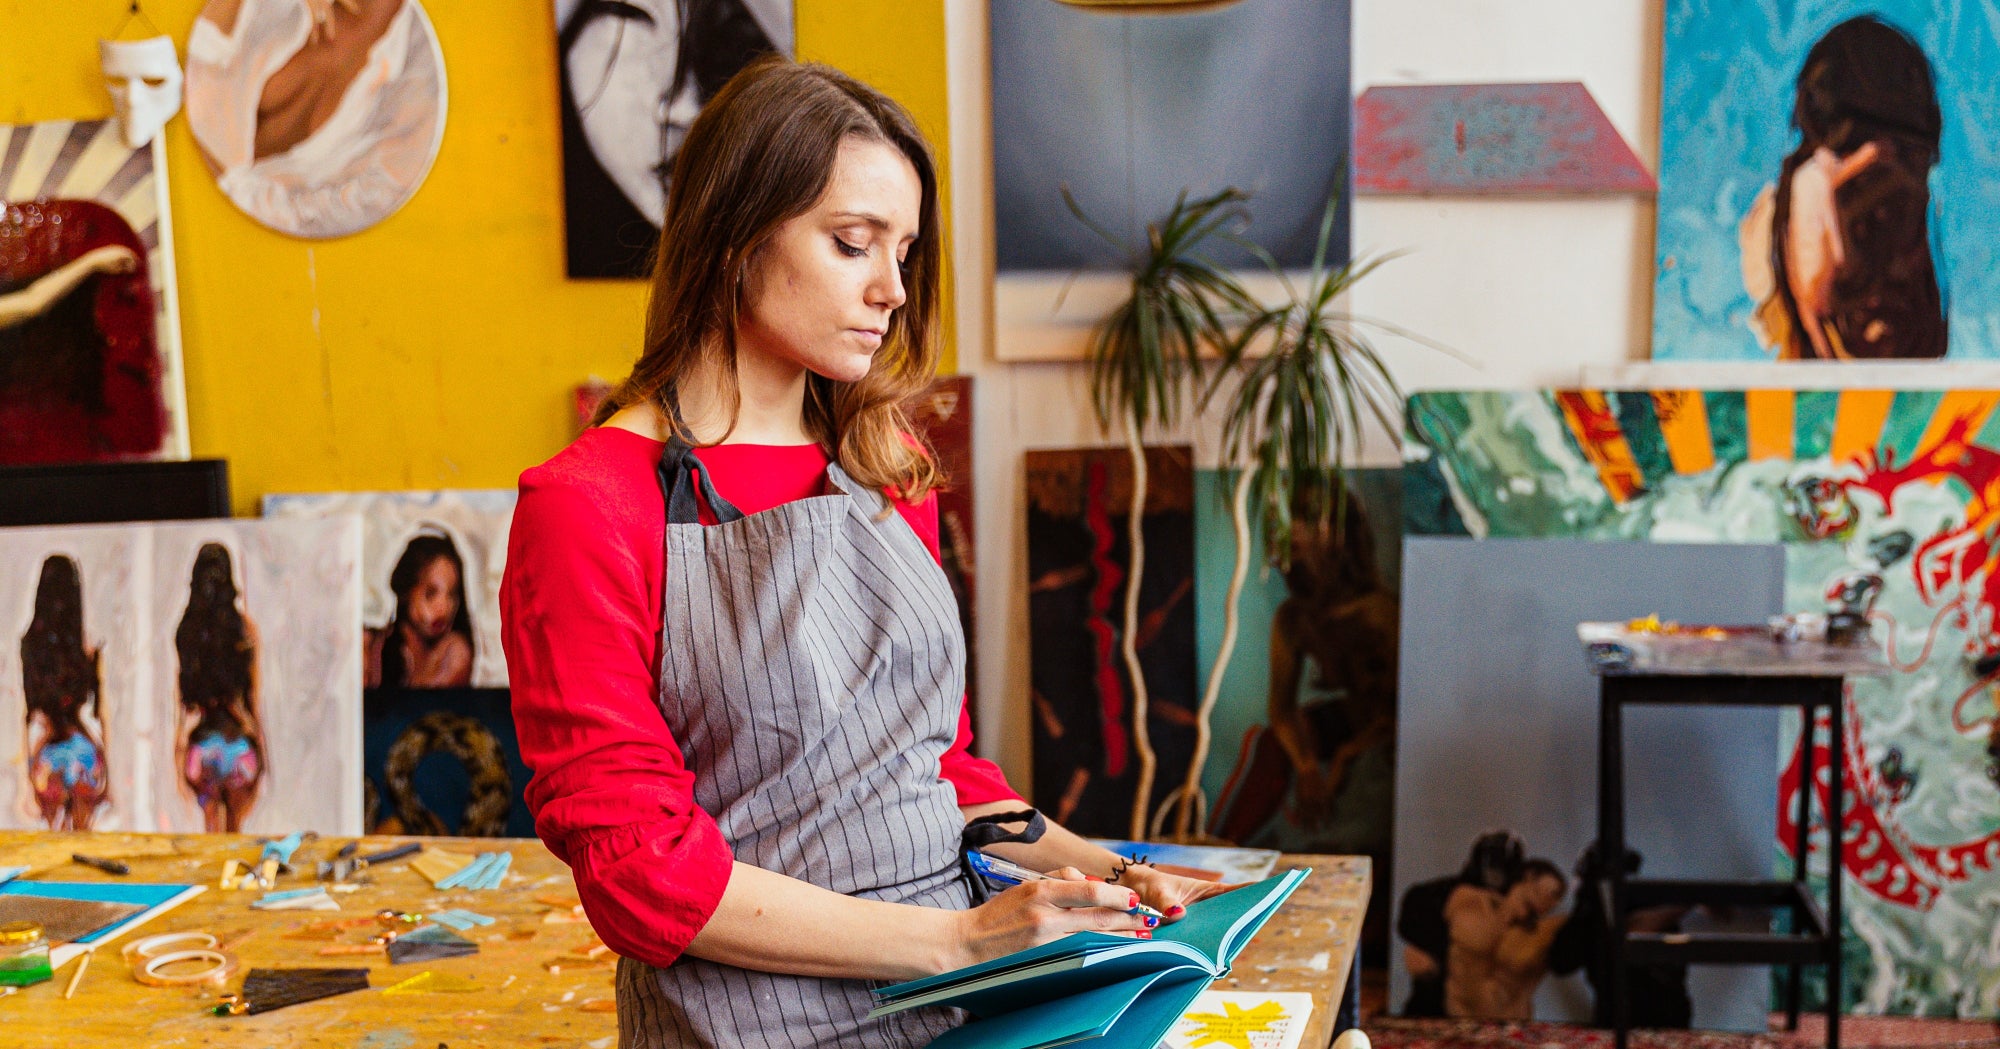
x,y
812,668
1498,715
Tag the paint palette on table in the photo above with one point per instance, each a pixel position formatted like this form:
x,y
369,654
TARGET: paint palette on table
x,y
1652,647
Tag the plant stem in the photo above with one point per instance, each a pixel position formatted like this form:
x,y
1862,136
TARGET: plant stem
x,y
1142,740
1239,519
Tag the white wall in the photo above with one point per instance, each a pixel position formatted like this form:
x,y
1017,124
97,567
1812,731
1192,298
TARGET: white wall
x,y
1531,289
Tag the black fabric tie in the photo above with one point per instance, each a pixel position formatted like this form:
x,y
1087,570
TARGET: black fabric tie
x,y
681,477
991,830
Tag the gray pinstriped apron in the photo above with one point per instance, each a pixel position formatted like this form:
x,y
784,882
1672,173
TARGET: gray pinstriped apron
x,y
812,666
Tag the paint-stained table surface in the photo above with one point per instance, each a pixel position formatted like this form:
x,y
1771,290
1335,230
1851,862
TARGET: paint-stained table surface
x,y
1311,944
530,991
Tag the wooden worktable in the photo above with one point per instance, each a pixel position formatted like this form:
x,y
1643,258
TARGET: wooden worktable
x,y
520,1002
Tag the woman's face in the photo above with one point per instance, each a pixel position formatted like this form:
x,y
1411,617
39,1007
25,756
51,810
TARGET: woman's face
x,y
433,601
635,108
819,294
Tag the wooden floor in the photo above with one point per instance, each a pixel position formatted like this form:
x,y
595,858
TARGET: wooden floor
x,y
520,1001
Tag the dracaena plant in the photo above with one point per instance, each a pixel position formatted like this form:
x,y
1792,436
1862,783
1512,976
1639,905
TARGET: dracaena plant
x,y
1149,359
1291,425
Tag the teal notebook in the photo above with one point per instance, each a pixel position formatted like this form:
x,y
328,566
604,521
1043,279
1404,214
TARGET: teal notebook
x,y
1095,988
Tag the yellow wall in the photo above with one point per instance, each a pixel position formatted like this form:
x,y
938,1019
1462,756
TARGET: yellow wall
x,y
437,349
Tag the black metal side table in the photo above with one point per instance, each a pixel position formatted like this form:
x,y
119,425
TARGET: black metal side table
x,y
1734,666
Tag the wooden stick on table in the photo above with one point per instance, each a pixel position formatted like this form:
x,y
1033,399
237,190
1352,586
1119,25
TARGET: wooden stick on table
x,y
82,963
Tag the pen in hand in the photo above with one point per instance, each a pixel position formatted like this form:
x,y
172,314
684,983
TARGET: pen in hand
x,y
993,868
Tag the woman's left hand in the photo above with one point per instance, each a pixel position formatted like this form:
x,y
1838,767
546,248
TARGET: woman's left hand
x,y
1168,893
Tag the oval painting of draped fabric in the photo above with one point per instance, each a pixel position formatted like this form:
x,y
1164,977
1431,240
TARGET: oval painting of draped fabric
x,y
318,118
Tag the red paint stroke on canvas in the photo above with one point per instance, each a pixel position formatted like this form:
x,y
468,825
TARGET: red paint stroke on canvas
x,y
1879,855
1104,639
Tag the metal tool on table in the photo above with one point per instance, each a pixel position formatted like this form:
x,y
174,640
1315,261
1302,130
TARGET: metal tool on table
x,y
275,859
345,864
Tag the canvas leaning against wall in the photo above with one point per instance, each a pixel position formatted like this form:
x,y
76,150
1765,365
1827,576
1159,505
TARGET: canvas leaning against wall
x,y
431,564
181,677
1895,485
1826,189
90,361
1086,754
1304,750
634,76
943,414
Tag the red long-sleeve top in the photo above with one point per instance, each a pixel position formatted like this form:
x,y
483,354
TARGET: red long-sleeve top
x,y
611,793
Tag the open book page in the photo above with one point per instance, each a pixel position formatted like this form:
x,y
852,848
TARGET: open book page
x,y
1220,925
1203,942
1242,1020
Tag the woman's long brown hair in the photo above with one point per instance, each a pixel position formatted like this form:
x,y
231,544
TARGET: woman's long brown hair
x,y
761,153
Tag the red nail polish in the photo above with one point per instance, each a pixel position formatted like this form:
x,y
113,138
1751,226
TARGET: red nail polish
x,y
1092,877
1146,934
1176,910
1135,900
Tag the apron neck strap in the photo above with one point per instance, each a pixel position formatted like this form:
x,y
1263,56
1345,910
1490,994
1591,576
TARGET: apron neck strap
x,y
686,487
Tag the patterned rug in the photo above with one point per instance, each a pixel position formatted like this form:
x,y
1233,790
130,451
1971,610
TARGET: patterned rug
x,y
1856,1032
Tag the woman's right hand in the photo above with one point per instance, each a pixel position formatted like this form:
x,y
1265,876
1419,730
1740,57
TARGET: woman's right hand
x,y
1033,913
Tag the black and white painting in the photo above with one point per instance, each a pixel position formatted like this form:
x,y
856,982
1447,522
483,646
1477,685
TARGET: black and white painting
x,y
634,75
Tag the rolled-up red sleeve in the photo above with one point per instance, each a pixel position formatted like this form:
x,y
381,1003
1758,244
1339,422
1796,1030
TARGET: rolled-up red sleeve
x,y
611,793
977,780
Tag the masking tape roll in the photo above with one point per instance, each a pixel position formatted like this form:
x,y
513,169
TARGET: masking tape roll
x,y
148,946
223,966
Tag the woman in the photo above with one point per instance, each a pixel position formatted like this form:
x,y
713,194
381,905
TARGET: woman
x,y
61,681
1837,255
737,672
429,642
220,750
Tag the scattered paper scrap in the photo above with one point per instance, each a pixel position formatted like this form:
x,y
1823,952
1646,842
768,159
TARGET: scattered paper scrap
x,y
1242,1020
428,982
436,864
429,943
313,899
459,919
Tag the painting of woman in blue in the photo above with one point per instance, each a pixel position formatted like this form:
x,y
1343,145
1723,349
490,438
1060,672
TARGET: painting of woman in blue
x,y
220,748
60,679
